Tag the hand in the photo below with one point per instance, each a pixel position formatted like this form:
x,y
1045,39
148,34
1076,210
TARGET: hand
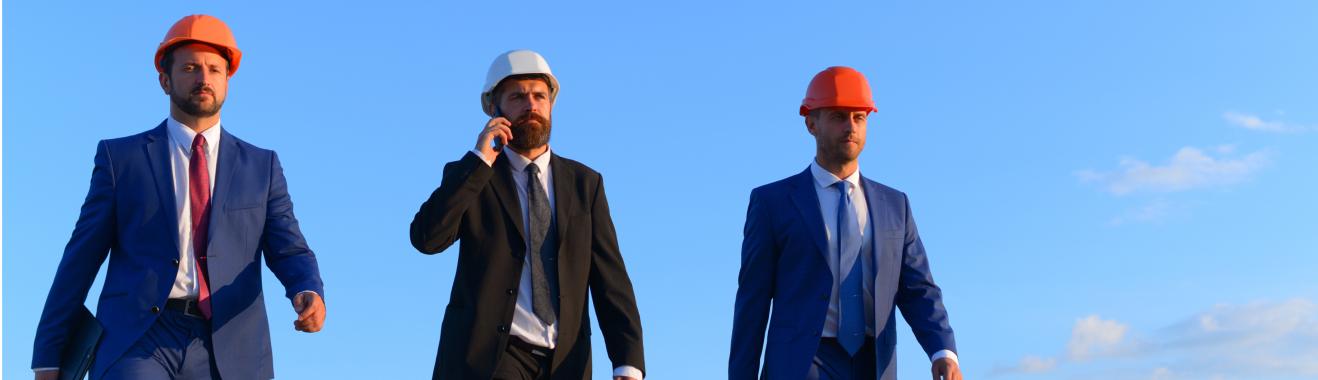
x,y
947,369
48,375
310,312
496,128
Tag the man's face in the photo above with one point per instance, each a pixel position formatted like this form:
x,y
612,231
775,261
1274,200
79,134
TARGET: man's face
x,y
198,80
839,132
525,103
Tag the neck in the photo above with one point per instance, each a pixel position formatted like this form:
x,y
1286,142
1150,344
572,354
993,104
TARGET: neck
x,y
533,153
839,168
197,124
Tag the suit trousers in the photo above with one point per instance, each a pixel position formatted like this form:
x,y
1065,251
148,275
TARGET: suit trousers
x,y
176,347
520,364
832,362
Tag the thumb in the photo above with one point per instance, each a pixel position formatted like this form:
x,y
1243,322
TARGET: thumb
x,y
299,303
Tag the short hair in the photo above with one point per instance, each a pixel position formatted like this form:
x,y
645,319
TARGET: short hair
x,y
497,92
815,112
167,62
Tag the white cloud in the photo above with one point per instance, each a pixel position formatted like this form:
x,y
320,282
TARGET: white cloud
x,y
1094,336
1189,168
1253,122
1259,339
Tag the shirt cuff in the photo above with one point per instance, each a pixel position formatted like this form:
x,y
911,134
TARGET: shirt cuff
x,y
482,157
945,354
39,369
628,371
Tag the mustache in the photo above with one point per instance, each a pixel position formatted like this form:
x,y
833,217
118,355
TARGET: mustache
x,y
201,87
528,116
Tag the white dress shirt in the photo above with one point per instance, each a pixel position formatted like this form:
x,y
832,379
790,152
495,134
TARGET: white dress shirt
x,y
526,325
829,196
180,158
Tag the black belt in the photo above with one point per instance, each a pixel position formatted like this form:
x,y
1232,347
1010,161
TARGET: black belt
x,y
186,306
533,349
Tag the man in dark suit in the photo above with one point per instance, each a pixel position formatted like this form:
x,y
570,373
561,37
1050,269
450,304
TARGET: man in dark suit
x,y
186,212
536,236
834,252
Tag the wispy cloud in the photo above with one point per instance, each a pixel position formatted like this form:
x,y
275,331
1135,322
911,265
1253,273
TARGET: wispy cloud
x,y
1257,339
1258,124
1189,168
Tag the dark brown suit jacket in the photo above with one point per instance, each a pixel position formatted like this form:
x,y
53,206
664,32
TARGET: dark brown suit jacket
x,y
478,204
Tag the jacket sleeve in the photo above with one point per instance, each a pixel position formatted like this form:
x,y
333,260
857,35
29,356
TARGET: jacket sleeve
x,y
755,284
920,300
436,225
286,251
87,249
611,289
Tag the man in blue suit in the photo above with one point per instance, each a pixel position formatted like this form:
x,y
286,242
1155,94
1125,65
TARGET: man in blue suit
x,y
835,253
185,211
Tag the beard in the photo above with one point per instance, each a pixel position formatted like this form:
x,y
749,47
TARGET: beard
x,y
528,135
194,107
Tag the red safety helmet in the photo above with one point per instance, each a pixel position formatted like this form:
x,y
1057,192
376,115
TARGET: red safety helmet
x,y
838,86
204,29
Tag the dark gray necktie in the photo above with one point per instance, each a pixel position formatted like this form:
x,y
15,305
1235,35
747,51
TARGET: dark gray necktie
x,y
540,231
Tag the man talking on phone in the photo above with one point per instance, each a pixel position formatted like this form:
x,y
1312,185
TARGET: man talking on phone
x,y
537,236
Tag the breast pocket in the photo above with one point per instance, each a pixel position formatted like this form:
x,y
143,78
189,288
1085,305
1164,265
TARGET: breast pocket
x,y
243,205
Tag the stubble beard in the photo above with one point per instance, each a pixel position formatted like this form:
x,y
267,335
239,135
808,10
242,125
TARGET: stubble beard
x,y
194,107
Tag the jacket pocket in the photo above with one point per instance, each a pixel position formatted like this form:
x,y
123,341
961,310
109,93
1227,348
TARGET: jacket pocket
x,y
244,205
781,334
112,295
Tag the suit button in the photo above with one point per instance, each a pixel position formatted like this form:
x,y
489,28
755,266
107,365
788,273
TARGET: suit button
x,y
155,310
823,296
512,292
175,262
814,332
503,329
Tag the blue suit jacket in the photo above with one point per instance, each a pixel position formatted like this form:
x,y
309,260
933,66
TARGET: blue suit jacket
x,y
782,261
130,214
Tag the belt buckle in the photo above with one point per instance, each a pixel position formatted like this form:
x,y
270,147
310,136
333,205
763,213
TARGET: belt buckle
x,y
188,304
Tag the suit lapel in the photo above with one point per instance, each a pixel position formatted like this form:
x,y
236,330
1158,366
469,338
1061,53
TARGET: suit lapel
x,y
881,260
807,202
506,190
224,167
563,191
157,152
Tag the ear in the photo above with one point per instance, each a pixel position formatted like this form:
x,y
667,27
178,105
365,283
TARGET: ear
x,y
164,83
810,125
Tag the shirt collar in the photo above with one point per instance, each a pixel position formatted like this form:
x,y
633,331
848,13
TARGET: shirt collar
x,y
183,135
520,162
825,179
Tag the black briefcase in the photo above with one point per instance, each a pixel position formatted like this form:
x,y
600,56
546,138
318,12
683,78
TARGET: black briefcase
x,y
80,349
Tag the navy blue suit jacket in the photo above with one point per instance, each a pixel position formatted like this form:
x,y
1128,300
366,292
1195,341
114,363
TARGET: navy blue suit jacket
x,y
130,214
782,261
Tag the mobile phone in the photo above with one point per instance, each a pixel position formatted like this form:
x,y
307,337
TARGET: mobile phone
x,y
498,141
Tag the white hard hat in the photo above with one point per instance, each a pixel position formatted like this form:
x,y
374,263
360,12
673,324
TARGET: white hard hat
x,y
513,63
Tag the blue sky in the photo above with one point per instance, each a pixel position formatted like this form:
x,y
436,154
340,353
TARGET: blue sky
x,y
1108,190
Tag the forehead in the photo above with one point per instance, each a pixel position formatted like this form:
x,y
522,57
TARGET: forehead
x,y
524,86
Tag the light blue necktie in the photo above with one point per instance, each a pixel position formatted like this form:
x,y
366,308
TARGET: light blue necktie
x,y
851,321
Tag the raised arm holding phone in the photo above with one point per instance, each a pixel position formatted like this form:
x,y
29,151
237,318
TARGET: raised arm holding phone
x,y
537,238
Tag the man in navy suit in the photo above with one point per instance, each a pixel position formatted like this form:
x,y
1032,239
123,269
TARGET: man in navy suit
x,y
185,211
835,253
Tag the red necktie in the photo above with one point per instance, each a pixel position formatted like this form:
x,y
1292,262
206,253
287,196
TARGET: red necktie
x,y
199,194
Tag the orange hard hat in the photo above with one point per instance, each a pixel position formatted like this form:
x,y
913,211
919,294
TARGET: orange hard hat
x,y
837,86
204,29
